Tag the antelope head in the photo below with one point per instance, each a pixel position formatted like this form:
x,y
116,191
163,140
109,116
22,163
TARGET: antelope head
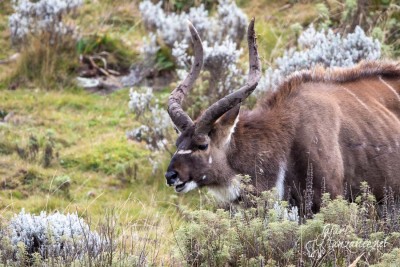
x,y
202,146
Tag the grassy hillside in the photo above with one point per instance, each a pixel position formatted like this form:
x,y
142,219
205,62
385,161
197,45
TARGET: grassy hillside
x,y
94,170
89,145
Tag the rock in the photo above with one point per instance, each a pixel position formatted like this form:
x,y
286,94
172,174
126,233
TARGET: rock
x,y
88,82
104,85
10,59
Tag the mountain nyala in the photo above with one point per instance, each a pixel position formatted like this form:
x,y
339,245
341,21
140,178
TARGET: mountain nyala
x,y
345,122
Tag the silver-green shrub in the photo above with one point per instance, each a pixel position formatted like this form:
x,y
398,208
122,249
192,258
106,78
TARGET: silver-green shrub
x,y
155,121
53,235
391,259
229,22
324,48
44,16
256,234
140,101
221,34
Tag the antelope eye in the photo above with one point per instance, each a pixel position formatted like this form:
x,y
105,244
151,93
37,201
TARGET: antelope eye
x,y
203,147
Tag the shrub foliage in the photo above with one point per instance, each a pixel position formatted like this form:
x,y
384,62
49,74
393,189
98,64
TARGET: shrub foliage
x,y
341,234
46,42
324,48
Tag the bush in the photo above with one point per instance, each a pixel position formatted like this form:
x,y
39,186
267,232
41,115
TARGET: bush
x,y
44,65
41,17
205,241
391,259
62,183
222,35
324,48
257,235
47,43
155,121
380,19
67,240
54,235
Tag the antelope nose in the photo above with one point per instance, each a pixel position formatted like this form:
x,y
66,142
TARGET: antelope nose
x,y
171,177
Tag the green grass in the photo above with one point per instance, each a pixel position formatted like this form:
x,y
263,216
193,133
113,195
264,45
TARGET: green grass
x,y
119,19
5,44
89,136
93,153
5,9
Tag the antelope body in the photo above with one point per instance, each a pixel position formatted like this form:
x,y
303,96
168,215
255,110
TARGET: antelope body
x,y
345,122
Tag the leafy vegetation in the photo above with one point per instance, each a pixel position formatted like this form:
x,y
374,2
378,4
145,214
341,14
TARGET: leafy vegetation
x,y
120,57
342,233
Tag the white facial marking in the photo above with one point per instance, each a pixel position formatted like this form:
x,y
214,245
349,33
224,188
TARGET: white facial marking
x,y
280,180
226,193
204,177
390,87
183,152
189,186
210,160
232,130
358,99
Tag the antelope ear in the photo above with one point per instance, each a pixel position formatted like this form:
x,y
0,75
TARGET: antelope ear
x,y
225,125
229,117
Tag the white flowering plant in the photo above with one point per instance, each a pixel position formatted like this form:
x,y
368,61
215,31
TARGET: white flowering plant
x,y
155,121
52,236
38,17
324,48
140,101
44,33
221,35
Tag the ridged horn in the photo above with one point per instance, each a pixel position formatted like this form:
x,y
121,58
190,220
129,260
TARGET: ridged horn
x,y
180,118
216,110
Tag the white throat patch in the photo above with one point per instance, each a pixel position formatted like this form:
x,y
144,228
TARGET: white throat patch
x,y
227,193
